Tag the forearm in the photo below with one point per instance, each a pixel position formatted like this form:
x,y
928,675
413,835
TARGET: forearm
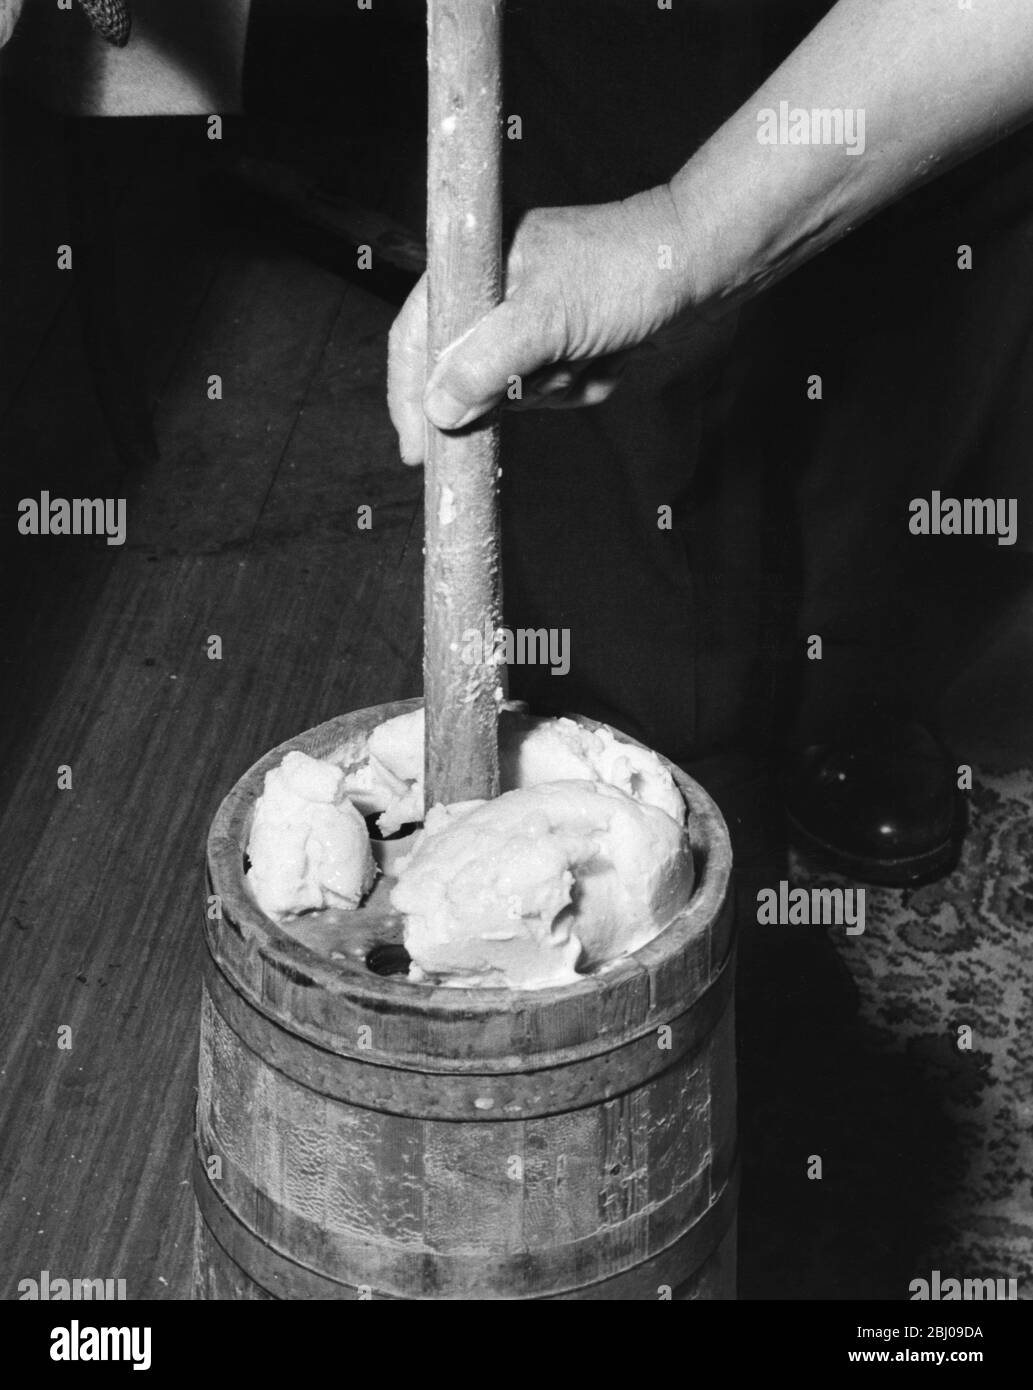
x,y
934,83
9,12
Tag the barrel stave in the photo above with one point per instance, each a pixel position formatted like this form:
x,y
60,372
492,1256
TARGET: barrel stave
x,y
375,1138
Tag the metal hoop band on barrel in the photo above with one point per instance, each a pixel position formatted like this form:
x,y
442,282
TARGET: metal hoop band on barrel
x,y
461,1096
284,1278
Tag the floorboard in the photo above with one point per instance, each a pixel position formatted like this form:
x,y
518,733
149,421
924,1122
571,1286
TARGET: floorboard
x,y
246,528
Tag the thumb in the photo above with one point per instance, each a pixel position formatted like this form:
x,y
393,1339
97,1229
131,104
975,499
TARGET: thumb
x,y
475,372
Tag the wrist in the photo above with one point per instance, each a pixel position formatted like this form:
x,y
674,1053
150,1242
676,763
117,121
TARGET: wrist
x,y
660,238
727,253
755,213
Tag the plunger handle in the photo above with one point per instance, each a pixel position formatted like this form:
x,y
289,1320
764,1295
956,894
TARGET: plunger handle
x,y
462,577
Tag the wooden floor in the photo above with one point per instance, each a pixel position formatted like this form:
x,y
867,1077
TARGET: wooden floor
x,y
244,527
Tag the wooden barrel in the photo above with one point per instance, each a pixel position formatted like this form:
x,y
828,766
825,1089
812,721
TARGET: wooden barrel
x,y
359,1136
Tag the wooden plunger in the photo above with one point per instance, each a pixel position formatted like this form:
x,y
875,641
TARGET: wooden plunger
x,y
462,580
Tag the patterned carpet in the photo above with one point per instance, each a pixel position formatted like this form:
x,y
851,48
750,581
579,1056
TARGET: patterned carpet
x,y
926,1143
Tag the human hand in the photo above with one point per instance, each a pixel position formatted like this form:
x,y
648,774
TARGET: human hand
x,y
9,12
585,287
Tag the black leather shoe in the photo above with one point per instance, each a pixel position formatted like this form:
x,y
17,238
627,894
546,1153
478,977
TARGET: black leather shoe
x,y
881,806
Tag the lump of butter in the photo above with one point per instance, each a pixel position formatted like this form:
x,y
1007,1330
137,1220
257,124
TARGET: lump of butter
x,y
532,751
388,778
526,890
308,847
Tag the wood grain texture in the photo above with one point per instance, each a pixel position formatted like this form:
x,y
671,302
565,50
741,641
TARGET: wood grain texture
x,y
462,581
414,1142
246,528
218,1276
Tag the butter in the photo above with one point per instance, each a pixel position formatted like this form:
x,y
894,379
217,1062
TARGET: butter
x,y
530,890
387,780
308,845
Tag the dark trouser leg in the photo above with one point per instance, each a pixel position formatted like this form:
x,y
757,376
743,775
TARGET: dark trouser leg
x,y
926,374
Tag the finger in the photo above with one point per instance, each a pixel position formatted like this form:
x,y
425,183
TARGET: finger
x,y
583,395
573,386
542,387
407,373
506,346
